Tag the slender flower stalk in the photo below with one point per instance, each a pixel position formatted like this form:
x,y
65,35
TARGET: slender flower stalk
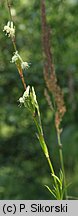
x,y
10,31
52,86
9,8
61,161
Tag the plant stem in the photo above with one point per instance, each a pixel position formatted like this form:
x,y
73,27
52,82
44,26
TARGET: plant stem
x,y
21,76
45,150
61,161
9,8
52,171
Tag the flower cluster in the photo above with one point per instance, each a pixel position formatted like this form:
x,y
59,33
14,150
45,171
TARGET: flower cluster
x,y
9,29
17,58
24,65
29,100
25,95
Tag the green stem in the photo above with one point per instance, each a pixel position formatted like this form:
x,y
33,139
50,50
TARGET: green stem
x,y
50,165
45,150
14,44
61,161
52,171
9,8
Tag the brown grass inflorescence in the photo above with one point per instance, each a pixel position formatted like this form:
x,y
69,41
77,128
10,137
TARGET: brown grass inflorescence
x,y
49,71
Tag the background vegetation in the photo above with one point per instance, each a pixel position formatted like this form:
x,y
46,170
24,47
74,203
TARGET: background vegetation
x,y
23,167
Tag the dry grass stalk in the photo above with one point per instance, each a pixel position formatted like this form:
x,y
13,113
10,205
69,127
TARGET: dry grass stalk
x,y
49,71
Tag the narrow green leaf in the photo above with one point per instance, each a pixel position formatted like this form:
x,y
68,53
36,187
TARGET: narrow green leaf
x,y
50,191
56,178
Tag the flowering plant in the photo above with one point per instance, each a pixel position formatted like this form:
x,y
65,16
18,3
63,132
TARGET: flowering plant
x,y
29,100
9,29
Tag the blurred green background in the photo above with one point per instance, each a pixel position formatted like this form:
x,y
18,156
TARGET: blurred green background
x,y
23,168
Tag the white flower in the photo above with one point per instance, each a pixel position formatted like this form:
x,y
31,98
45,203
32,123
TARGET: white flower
x,y
29,100
16,57
24,65
26,93
9,29
34,95
21,100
